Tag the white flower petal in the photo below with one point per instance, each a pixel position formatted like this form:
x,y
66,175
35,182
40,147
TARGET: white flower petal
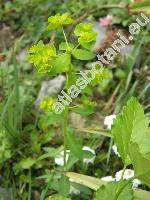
x,y
89,160
108,121
108,178
115,150
59,160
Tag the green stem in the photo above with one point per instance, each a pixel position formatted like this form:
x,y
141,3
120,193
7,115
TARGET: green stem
x,y
67,109
65,36
122,188
30,185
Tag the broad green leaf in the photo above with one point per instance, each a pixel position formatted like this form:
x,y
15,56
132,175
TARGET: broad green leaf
x,y
83,27
85,43
64,186
59,20
63,46
83,54
141,163
60,64
142,6
141,194
27,163
75,145
109,191
130,126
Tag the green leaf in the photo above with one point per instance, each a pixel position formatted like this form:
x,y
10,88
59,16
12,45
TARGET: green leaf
x,y
27,163
61,64
63,46
95,184
57,197
130,126
51,152
75,145
83,54
83,27
91,182
59,20
141,194
64,185
109,191
141,163
83,110
87,36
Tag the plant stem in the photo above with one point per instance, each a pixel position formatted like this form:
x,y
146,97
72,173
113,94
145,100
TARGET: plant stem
x,y
122,188
29,193
67,109
65,36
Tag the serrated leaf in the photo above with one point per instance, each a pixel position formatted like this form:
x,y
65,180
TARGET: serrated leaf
x,y
130,126
109,191
83,54
141,163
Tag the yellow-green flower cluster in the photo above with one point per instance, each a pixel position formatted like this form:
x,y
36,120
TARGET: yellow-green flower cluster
x,y
41,56
59,20
47,104
86,35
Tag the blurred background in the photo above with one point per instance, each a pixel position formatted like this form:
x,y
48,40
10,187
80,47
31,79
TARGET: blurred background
x,y
24,130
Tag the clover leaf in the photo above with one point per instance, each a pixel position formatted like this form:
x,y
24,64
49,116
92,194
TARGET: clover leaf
x,y
58,20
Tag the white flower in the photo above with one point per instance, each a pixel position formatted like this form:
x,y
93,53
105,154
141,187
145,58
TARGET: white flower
x,y
136,183
128,173
108,178
115,150
89,160
59,160
108,121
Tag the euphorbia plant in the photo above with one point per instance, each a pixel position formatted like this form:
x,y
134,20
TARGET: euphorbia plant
x,y
130,130
47,60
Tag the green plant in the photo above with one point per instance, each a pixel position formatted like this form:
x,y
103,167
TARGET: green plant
x,y
131,134
131,142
